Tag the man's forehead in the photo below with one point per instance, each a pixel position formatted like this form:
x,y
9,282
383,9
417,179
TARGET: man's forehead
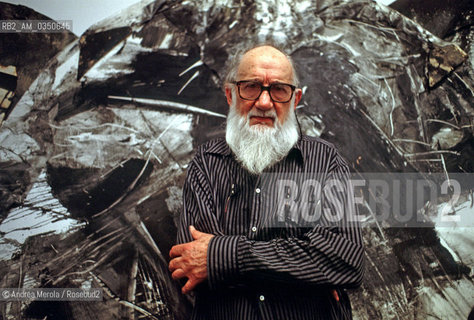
x,y
265,57
265,50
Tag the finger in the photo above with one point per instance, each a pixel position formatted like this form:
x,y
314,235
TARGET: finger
x,y
178,274
188,287
174,264
176,251
196,234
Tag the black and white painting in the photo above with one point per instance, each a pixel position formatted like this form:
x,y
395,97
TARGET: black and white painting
x,y
97,130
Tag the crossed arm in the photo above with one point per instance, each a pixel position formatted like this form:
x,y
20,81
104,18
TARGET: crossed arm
x,y
189,260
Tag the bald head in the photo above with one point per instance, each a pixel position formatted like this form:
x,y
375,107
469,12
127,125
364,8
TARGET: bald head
x,y
265,59
268,55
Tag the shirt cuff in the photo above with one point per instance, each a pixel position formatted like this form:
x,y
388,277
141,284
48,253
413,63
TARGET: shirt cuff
x,y
222,264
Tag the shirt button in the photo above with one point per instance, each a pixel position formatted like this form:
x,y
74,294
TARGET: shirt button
x,y
254,229
257,190
262,298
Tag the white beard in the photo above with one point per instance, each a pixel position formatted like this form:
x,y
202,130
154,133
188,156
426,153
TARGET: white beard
x,y
258,147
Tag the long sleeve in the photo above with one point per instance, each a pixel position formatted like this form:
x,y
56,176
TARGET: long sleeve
x,y
199,208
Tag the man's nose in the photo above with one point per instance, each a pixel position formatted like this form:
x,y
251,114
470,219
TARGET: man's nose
x,y
264,101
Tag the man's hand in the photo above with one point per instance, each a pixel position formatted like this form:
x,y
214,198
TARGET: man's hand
x,y
189,260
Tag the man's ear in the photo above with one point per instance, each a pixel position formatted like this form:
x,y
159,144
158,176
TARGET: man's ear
x,y
298,96
228,94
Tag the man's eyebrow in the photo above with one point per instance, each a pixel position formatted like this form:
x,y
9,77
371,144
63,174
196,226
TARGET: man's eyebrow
x,y
252,79
260,81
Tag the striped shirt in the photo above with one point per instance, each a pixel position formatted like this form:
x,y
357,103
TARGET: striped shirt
x,y
263,264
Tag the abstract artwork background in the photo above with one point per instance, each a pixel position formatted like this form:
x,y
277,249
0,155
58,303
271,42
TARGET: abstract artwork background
x,y
97,132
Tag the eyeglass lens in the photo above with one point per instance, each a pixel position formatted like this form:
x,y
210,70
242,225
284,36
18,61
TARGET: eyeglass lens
x,y
279,92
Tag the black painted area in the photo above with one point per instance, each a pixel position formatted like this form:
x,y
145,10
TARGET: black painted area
x,y
8,81
96,45
83,192
438,16
464,162
14,179
53,310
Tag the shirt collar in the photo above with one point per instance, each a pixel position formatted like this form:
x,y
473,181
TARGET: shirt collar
x,y
299,149
219,146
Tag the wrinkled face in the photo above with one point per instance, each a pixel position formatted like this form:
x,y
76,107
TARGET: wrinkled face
x,y
266,65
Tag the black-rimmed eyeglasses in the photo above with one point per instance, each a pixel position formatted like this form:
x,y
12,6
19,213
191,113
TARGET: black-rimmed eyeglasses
x,y
251,90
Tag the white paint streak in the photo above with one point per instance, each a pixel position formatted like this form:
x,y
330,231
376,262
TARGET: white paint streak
x,y
118,61
165,43
40,213
69,66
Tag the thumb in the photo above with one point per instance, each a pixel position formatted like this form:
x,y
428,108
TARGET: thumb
x,y
196,234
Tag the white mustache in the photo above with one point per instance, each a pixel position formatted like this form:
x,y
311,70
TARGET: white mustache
x,y
265,114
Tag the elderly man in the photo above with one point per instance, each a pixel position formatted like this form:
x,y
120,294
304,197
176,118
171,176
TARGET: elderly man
x,y
241,261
